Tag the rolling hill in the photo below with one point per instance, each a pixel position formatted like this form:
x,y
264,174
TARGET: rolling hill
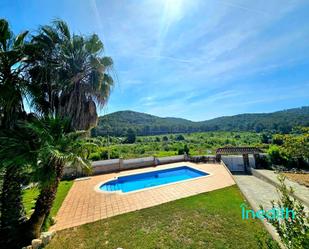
x,y
117,123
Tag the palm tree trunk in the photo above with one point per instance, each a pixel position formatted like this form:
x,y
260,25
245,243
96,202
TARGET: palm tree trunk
x,y
42,207
80,109
11,206
12,210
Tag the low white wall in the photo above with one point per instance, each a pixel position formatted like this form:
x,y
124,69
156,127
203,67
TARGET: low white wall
x,y
137,163
105,166
236,163
114,165
170,159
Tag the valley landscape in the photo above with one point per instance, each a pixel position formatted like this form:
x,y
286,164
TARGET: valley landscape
x,y
131,134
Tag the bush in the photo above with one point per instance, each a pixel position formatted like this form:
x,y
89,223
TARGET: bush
x,y
264,162
290,150
114,154
277,155
104,155
141,150
294,230
95,156
265,138
237,136
166,148
184,150
297,150
131,136
277,139
180,137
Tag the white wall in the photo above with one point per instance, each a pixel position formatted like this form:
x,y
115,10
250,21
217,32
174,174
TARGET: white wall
x,y
236,163
113,165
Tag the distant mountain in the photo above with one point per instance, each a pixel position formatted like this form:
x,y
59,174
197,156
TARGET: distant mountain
x,y
118,123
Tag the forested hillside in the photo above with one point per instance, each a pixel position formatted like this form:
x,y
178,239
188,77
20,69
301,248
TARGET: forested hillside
x,y
118,123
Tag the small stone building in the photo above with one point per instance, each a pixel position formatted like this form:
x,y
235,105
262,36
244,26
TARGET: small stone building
x,y
231,157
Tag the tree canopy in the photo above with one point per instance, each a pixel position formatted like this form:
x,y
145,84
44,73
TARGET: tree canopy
x,y
117,124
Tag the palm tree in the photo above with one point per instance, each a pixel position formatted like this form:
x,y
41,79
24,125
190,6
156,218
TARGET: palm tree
x,y
58,147
13,87
71,75
12,84
44,145
68,79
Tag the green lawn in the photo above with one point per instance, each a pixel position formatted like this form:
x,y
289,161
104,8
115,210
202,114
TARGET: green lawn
x,y
30,195
209,220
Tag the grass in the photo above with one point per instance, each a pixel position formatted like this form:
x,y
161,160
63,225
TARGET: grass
x,y
30,195
209,220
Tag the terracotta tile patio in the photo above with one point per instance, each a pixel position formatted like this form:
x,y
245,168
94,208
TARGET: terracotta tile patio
x,y
85,204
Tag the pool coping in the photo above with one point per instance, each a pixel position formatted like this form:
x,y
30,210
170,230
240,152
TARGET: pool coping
x,y
119,192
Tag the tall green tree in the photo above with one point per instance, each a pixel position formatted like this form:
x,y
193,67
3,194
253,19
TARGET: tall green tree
x,y
68,78
45,146
71,75
13,87
131,136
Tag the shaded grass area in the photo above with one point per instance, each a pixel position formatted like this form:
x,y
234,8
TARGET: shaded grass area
x,y
208,220
30,196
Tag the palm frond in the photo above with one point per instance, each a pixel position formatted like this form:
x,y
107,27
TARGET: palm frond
x,y
93,44
19,40
107,61
5,34
70,69
63,28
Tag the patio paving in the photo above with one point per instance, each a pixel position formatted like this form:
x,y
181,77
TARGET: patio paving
x,y
300,192
84,204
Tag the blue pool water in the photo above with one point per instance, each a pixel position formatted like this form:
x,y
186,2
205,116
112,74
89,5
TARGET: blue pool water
x,y
150,179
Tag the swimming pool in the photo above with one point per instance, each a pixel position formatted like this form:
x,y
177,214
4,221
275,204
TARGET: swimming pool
x,y
151,179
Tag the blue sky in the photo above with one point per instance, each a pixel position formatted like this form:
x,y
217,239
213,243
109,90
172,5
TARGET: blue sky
x,y
195,59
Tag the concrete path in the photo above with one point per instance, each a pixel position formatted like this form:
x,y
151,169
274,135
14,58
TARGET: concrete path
x,y
257,191
260,189
300,192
